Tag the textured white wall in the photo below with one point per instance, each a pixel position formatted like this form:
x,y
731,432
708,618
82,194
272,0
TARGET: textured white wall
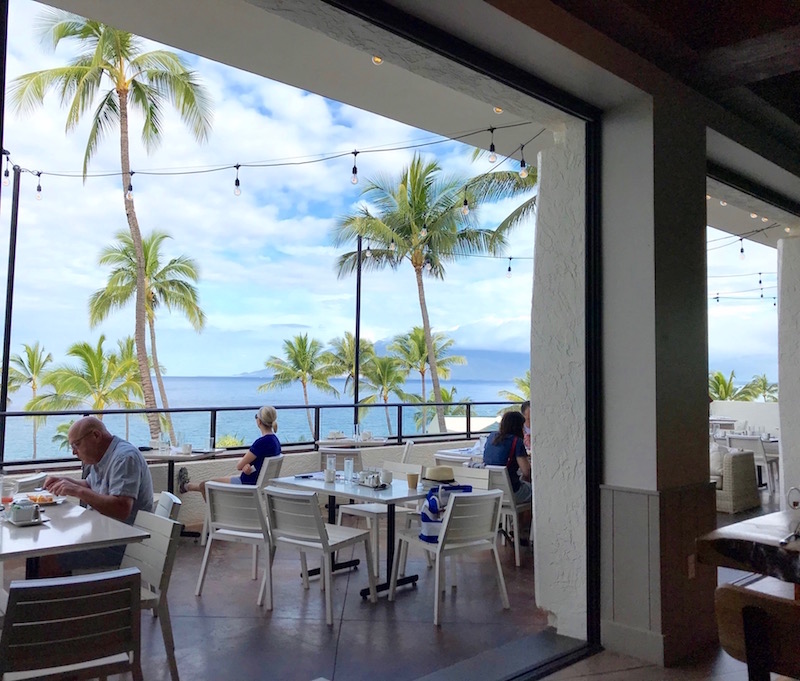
x,y
558,392
755,414
789,361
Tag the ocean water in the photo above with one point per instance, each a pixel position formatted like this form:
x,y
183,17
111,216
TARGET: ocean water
x,y
242,393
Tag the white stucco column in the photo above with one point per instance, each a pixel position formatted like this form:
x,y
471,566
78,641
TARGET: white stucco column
x,y
558,414
789,362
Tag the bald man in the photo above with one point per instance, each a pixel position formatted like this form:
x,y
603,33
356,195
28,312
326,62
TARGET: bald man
x,y
118,485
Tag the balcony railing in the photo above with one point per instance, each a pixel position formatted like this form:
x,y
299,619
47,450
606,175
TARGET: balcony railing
x,y
199,424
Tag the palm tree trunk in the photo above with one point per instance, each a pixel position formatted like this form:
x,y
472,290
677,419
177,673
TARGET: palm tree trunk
x,y
33,396
426,327
160,381
136,237
423,410
388,420
308,411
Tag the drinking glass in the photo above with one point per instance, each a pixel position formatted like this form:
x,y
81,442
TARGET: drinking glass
x,y
163,443
210,444
6,490
348,470
331,462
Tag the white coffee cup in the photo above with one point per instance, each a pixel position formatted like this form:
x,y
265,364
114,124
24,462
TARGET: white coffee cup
x,y
330,475
386,476
23,511
186,448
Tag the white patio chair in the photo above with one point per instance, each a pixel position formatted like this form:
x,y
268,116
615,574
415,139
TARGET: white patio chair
x,y
341,453
30,483
406,456
154,558
769,463
168,506
44,616
235,514
469,525
374,512
295,519
271,468
509,512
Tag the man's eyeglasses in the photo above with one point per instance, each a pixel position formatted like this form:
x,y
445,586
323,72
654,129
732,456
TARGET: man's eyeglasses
x,y
75,443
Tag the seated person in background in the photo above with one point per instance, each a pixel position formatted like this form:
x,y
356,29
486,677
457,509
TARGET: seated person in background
x,y
118,485
250,464
525,410
506,448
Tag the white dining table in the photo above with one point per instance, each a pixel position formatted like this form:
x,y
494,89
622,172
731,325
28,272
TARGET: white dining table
x,y
395,492
175,454
348,442
69,527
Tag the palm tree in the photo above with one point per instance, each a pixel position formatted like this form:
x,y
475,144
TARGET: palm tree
x,y
342,357
127,354
170,285
418,219
523,386
99,380
386,377
303,362
28,369
411,349
60,438
761,387
720,388
502,184
451,408
110,75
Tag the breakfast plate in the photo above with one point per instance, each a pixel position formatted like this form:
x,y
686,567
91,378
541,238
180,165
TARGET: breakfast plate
x,y
45,499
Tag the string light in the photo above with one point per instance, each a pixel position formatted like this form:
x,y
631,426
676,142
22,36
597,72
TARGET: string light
x,y
492,154
368,252
741,249
237,189
423,232
377,60
723,203
129,193
759,283
753,215
465,205
392,246
523,167
428,265
39,185
354,178
497,110
508,273
5,174
787,229
764,219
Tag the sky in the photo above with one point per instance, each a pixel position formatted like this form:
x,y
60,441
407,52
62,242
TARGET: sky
x,y
266,259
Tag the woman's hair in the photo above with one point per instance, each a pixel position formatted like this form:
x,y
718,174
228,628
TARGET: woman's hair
x,y
512,423
268,416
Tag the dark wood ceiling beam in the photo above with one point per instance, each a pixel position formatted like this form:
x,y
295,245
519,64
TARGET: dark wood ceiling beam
x,y
750,61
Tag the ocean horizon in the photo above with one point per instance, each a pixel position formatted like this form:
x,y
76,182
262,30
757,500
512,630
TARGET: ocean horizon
x,y
241,392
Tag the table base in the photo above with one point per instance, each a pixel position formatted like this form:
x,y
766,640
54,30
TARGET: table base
x,y
401,581
344,565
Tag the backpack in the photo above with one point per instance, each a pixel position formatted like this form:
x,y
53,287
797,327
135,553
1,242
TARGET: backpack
x,y
433,509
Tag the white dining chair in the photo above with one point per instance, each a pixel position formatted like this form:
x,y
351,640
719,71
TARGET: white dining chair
x,y
168,505
235,514
469,525
45,616
295,520
373,512
154,558
770,464
406,456
509,512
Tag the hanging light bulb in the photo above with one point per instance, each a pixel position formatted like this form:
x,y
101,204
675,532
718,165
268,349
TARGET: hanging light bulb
x,y
39,186
5,174
723,203
377,60
465,205
708,196
237,189
787,229
508,273
753,215
428,265
423,232
392,246
354,178
764,219
741,249
368,252
492,155
129,193
523,167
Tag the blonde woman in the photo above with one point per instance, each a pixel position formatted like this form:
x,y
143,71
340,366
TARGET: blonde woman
x,y
249,465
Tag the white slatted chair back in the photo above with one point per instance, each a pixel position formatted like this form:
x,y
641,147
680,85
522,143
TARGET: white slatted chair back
x,y
402,469
168,506
31,482
155,555
477,477
234,508
471,517
271,468
405,458
295,516
44,617
500,479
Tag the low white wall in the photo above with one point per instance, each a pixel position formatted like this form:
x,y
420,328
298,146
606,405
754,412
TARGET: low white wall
x,y
755,415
